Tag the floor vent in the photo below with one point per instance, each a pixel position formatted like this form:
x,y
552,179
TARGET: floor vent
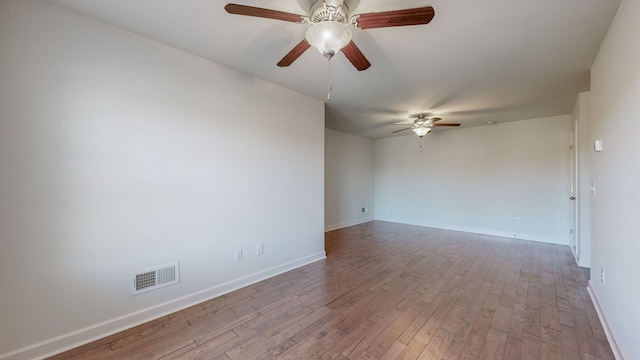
x,y
155,277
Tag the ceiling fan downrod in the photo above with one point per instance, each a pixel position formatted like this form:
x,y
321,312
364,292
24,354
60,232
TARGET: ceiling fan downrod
x,y
330,79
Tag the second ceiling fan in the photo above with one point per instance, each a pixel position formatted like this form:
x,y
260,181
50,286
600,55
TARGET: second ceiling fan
x,y
423,124
331,25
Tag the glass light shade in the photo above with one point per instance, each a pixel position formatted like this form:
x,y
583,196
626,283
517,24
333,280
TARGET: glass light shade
x,y
329,37
421,131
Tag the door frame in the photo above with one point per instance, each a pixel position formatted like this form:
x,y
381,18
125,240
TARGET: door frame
x,y
574,199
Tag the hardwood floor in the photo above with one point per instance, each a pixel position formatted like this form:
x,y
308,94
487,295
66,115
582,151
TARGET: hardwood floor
x,y
389,291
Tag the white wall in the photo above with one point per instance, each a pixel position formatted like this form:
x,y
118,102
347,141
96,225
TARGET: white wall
x,y
118,153
480,179
348,180
615,118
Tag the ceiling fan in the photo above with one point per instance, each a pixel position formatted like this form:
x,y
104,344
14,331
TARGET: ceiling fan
x,y
423,124
331,25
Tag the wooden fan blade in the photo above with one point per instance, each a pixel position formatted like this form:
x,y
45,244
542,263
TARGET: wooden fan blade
x,y
238,9
355,56
400,130
416,16
434,125
294,53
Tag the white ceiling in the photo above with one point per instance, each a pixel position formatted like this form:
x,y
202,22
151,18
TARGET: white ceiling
x,y
477,61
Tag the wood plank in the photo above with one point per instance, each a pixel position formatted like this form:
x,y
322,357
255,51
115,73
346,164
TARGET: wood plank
x,y
570,348
394,351
437,345
494,346
413,350
551,345
210,349
460,338
513,347
530,347
549,317
502,318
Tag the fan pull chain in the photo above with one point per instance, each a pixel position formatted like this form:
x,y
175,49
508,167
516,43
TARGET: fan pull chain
x,y
330,82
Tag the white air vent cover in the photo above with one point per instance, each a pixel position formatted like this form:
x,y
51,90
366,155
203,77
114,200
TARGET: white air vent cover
x,y
155,277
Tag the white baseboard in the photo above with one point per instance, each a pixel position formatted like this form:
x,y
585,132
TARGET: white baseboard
x,y
84,336
500,233
613,340
346,224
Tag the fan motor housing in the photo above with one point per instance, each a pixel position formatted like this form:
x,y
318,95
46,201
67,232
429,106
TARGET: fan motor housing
x,y
321,11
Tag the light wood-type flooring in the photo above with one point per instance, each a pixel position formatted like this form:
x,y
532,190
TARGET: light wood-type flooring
x,y
389,291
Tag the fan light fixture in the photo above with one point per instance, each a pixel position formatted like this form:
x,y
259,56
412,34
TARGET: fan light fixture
x,y
421,130
329,37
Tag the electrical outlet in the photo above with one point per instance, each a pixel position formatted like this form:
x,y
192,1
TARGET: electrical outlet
x,y
365,210
259,249
602,276
517,220
238,254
